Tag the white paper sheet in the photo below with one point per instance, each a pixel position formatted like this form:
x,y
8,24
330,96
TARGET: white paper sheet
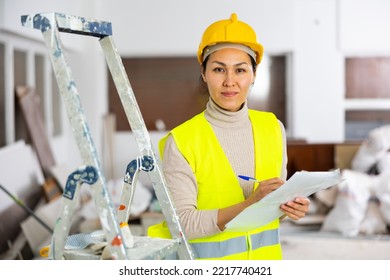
x,y
301,184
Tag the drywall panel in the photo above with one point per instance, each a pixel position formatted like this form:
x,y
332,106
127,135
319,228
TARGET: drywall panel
x,y
20,172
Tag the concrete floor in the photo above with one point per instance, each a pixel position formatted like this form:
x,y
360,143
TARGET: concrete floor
x,y
308,243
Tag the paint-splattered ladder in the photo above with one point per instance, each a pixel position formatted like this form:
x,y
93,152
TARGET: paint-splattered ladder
x,y
50,25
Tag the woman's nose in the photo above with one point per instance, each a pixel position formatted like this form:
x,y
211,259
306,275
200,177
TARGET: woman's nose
x,y
229,80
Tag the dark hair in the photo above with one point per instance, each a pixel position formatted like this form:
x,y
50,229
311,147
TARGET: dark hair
x,y
204,64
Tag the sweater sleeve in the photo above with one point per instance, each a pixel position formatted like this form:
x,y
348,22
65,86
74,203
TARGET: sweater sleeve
x,y
183,188
283,174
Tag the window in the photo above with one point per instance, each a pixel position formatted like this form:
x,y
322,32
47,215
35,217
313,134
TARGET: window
x,y
367,95
20,78
2,96
24,62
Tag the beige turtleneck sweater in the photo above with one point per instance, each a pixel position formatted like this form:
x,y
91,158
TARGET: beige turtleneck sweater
x,y
234,132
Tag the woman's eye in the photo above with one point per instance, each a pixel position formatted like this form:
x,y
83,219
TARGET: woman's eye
x,y
218,69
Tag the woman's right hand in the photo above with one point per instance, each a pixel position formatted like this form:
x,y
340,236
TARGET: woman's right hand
x,y
225,215
264,188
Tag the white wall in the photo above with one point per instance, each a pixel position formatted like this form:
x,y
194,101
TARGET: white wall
x,y
175,27
317,93
364,27
85,58
317,35
14,9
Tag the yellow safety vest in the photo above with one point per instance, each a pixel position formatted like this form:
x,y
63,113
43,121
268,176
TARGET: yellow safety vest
x,y
218,186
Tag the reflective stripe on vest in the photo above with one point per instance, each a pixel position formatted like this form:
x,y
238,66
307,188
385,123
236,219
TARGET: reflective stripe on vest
x,y
208,250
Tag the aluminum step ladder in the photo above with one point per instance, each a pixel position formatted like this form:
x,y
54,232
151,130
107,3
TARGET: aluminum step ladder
x,y
50,24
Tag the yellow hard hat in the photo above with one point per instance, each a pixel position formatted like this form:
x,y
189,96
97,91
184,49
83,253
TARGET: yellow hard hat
x,y
230,31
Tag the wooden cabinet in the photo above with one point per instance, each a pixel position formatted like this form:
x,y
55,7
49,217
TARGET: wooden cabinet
x,y
367,95
309,157
320,157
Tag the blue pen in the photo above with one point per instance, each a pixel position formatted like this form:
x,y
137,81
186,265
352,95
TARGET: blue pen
x,y
247,178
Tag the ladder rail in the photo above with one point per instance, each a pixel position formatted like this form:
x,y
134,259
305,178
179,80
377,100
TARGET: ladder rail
x,y
84,174
142,163
145,146
47,23
50,25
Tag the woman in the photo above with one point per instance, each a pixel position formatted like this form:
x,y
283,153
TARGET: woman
x,y
203,156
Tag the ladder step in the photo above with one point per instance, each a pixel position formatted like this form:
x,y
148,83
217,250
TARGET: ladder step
x,y
81,246
68,24
148,248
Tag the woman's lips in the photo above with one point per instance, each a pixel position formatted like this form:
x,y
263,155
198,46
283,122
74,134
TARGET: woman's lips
x,y
229,93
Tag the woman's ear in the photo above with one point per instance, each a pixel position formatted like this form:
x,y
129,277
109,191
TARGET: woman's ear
x,y
204,78
203,75
253,79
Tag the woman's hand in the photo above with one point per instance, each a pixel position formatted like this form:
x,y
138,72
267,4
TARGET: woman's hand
x,y
264,188
297,208
225,215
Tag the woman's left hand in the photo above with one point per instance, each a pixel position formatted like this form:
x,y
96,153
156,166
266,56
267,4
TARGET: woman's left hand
x,y
297,208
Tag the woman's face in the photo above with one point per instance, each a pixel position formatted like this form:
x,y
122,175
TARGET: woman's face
x,y
229,76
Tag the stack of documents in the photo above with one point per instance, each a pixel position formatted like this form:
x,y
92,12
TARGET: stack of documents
x,y
301,184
